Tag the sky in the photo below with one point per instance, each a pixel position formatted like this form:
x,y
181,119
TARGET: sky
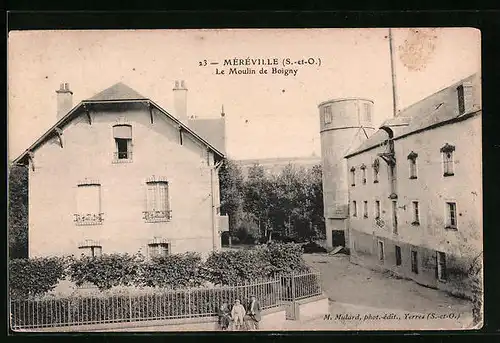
x,y
267,115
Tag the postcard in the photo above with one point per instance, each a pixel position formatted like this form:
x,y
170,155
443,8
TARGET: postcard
x,y
245,179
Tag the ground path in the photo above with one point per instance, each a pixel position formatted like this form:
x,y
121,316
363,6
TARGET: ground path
x,y
353,290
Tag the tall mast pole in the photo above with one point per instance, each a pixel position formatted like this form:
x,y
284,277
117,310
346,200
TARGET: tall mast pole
x,y
393,74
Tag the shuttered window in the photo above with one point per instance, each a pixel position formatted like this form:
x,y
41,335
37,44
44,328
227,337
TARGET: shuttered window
x,y
89,199
157,196
157,201
158,249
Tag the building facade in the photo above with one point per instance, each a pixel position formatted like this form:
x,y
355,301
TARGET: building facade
x,y
415,190
119,174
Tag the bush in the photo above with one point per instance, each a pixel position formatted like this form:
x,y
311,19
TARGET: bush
x,y
36,277
313,247
106,271
33,277
231,267
172,271
284,258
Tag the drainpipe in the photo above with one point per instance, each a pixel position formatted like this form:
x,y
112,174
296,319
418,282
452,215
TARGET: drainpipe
x,y
214,170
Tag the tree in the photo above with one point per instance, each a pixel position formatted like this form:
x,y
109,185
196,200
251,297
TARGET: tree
x,y
314,203
300,202
18,212
231,193
255,200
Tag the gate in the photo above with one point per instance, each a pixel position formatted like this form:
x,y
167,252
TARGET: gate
x,y
288,296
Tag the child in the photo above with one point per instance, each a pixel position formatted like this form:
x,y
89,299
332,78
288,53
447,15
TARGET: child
x,y
238,313
224,316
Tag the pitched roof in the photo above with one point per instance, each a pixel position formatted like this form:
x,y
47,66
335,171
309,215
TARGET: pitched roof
x,y
121,93
439,107
118,91
213,130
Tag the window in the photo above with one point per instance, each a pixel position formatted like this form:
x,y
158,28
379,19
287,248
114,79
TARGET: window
x,y
451,215
353,176
157,201
368,112
365,209
90,248
412,159
363,172
327,114
395,217
447,153
123,140
441,265
354,209
381,256
398,255
461,99
414,261
158,249
416,214
377,209
376,168
88,203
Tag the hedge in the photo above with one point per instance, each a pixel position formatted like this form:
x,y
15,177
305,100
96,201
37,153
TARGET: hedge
x,y
172,271
177,271
34,277
106,271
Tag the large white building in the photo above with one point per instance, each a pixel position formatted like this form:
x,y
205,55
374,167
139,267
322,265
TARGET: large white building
x,y
415,190
117,173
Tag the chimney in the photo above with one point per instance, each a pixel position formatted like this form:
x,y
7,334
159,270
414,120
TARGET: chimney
x,y
64,100
180,101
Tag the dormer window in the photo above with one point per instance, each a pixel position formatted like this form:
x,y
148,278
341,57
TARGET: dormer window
x,y
376,168
461,99
123,140
327,114
353,176
447,152
412,160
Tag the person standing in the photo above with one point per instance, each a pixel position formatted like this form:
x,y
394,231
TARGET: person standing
x,y
254,313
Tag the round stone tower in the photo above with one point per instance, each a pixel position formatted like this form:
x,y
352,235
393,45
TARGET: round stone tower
x,y
344,125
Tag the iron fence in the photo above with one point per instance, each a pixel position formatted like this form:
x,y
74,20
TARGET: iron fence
x,y
300,286
158,305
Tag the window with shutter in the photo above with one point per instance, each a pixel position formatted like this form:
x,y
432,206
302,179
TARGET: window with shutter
x,y
157,202
88,204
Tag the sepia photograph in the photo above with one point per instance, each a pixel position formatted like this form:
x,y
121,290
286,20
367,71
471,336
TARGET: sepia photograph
x,y
245,180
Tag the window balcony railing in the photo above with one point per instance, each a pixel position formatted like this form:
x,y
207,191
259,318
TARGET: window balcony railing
x,y
157,216
122,157
89,218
